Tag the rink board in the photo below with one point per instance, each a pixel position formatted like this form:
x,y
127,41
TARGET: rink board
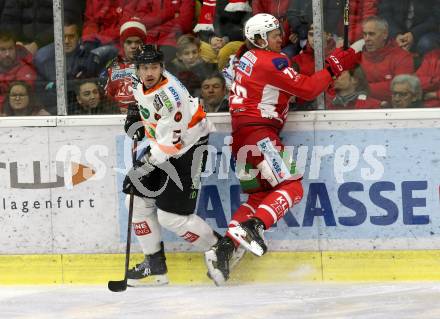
x,y
189,268
370,209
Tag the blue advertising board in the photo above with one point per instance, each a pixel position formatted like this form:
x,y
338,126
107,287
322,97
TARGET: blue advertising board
x,y
378,187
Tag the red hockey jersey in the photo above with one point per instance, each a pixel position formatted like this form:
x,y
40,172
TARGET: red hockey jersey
x,y
119,86
263,85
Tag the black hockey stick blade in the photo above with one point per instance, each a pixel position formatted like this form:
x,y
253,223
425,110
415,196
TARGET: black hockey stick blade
x,y
117,285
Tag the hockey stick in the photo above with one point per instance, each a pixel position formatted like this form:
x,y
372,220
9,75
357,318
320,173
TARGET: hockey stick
x,y
121,285
346,23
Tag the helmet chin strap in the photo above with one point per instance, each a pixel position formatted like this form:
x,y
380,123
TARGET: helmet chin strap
x,y
264,47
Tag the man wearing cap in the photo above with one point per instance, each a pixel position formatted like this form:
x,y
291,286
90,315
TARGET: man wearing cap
x,y
118,75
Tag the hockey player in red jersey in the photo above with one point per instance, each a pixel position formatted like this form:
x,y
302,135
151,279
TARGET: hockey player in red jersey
x,y
263,85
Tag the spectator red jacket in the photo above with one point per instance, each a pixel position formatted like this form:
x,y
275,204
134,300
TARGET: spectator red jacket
x,y
165,20
359,10
382,65
277,8
304,62
102,20
22,70
429,75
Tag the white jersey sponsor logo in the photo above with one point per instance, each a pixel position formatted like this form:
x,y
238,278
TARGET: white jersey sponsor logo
x,y
121,74
272,156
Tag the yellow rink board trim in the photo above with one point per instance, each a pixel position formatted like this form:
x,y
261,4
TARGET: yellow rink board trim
x,y
189,268
379,265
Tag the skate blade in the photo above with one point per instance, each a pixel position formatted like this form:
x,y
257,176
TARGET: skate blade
x,y
240,234
215,274
156,280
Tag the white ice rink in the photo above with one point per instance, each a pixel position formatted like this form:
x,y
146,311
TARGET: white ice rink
x,y
314,300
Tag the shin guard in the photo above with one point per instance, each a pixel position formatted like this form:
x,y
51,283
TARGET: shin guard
x,y
146,225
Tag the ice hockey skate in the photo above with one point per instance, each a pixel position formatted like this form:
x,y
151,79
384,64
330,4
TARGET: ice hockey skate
x,y
221,259
152,271
250,235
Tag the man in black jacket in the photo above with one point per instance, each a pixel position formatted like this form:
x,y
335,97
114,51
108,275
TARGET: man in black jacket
x,y
414,24
80,64
31,21
300,17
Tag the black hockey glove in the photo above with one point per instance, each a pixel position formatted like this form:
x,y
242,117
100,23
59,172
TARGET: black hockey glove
x,y
133,123
143,166
140,171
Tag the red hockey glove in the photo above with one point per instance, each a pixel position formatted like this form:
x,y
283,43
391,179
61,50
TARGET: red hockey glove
x,y
342,60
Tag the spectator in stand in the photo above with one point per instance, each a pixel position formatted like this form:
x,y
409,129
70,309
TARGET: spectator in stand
x,y
413,24
213,93
359,11
351,91
102,20
210,42
188,66
278,9
382,60
165,20
118,76
304,63
15,64
300,15
90,100
230,16
80,63
406,92
229,23
429,75
210,50
31,22
21,101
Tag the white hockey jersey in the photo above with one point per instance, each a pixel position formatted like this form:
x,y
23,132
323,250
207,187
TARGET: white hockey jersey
x,y
174,120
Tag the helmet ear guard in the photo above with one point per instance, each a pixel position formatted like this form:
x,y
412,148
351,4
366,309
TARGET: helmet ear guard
x,y
260,24
147,53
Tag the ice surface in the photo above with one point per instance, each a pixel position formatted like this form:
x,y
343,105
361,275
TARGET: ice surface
x,y
302,300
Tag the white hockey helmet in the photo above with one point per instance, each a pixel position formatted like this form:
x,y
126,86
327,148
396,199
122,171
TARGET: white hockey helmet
x,y
260,24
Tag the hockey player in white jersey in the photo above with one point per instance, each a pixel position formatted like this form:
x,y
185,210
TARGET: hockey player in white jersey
x,y
166,176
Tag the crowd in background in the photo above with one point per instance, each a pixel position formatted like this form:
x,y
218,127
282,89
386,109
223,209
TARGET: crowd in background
x,y
400,66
